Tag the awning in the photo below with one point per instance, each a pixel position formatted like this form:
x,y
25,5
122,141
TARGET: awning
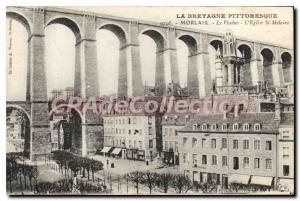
x,y
259,180
105,149
239,179
116,151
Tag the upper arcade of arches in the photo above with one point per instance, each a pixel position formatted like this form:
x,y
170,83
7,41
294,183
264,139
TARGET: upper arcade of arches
x,y
20,18
245,51
157,37
217,44
190,42
286,58
267,55
52,13
73,26
117,30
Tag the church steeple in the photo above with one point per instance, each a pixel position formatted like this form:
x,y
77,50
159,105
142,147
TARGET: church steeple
x,y
229,45
218,64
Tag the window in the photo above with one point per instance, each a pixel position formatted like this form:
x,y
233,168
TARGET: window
x,y
235,144
129,120
246,144
150,143
268,145
129,143
235,163
149,120
203,142
257,127
256,144
171,145
246,162
204,159
194,142
214,160
194,158
134,144
236,127
286,170
224,143
176,146
213,143
150,131
166,145
184,141
170,132
214,127
185,157
140,145
256,163
204,127
246,127
195,127
166,132
268,164
285,134
224,160
286,152
224,127
129,132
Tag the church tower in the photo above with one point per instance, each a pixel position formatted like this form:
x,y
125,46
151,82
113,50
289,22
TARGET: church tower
x,y
218,65
228,79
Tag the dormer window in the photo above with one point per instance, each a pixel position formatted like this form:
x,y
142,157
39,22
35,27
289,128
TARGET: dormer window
x,y
204,127
236,127
195,127
224,127
246,127
214,127
256,127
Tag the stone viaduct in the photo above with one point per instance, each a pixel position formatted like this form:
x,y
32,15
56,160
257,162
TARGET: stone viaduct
x,y
277,61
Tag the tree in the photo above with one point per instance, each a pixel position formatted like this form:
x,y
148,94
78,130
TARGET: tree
x,y
181,183
60,158
74,166
149,179
135,178
35,174
96,166
11,170
165,180
29,170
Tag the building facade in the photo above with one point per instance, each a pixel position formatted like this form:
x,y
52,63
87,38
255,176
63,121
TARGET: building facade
x,y
170,125
286,152
251,149
134,136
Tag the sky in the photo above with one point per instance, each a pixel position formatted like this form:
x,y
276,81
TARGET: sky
x,y
60,47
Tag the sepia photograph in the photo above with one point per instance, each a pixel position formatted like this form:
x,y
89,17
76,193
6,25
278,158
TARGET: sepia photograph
x,y
145,100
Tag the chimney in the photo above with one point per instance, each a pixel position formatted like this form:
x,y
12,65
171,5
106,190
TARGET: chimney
x,y
277,111
225,115
236,110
